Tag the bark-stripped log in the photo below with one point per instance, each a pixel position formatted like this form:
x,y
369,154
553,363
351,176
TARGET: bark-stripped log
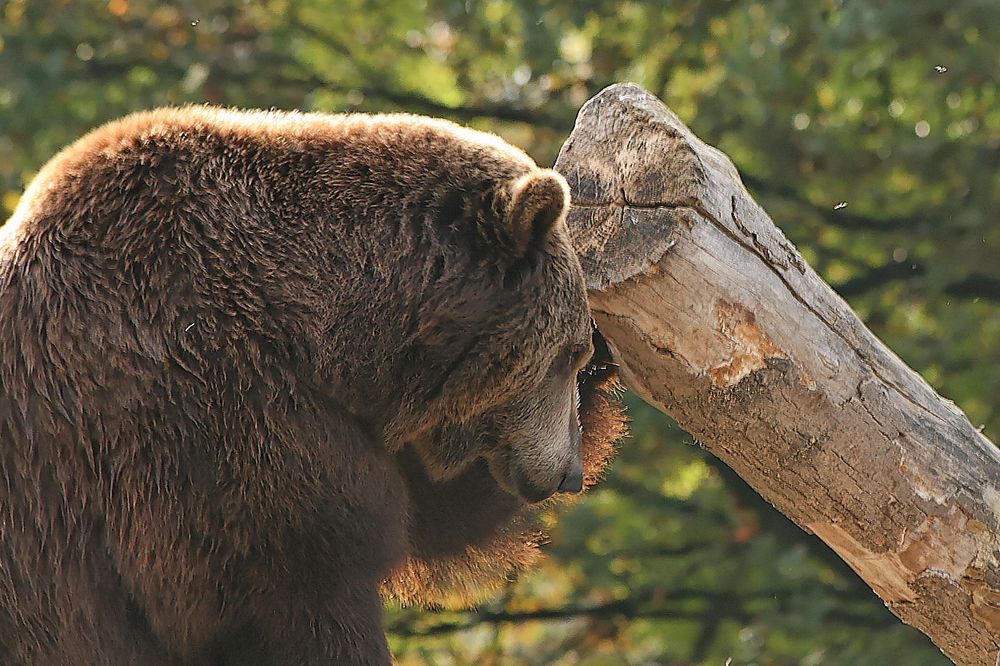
x,y
716,320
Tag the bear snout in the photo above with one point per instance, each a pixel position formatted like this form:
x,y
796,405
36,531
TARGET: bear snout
x,y
532,491
572,481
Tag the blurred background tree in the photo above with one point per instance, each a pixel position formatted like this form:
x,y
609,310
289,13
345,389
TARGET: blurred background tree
x,y
870,130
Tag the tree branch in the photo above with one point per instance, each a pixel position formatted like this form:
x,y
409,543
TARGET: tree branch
x,y
878,277
720,605
976,286
839,218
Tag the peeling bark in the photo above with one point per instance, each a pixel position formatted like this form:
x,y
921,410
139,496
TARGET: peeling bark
x,y
717,320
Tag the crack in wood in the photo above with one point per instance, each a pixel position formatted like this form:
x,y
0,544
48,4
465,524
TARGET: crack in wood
x,y
626,204
763,250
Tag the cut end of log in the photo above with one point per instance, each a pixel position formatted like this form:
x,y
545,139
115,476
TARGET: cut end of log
x,y
622,211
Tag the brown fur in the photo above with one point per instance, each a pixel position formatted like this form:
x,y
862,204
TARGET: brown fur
x,y
475,535
232,349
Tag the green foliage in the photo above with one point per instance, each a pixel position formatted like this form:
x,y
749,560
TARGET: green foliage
x,y
891,107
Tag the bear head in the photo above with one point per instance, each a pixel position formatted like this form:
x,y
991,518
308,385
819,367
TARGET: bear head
x,y
523,367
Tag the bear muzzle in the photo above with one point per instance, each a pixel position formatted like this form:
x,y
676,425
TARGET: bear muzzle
x,y
572,481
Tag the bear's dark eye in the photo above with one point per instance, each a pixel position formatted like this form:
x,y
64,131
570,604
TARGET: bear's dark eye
x,y
576,356
567,361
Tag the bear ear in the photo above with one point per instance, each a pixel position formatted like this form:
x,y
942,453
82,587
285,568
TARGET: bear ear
x,y
538,202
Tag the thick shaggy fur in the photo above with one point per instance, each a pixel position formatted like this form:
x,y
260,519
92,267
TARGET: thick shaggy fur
x,y
226,343
469,536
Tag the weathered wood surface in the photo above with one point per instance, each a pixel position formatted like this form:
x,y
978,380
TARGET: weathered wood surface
x,y
717,320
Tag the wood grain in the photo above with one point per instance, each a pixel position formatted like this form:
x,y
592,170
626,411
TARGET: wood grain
x,y
717,320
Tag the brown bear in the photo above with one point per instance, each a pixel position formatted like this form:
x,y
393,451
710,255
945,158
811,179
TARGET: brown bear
x,y
259,369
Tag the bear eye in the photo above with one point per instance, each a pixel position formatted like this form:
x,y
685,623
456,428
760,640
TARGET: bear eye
x,y
580,354
572,358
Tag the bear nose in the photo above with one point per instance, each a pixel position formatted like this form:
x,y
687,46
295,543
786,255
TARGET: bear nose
x,y
572,481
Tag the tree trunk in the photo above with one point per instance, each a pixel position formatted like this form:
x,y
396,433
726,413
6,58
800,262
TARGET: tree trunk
x,y
717,320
